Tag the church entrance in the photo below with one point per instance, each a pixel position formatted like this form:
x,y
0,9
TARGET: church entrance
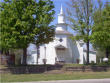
x,y
60,51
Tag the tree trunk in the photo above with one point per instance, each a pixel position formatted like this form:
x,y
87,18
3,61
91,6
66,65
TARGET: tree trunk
x,y
87,44
24,56
7,53
38,53
87,31
1,51
107,52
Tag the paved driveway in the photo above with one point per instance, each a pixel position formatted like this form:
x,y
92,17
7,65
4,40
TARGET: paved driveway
x,y
74,81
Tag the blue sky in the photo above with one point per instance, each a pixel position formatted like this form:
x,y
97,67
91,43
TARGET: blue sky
x,y
58,3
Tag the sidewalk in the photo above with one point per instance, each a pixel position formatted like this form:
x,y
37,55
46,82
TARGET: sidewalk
x,y
73,81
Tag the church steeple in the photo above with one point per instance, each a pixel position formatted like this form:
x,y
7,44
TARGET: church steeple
x,y
61,10
61,18
61,26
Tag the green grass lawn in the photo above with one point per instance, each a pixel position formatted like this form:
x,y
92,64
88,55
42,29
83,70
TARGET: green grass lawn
x,y
46,77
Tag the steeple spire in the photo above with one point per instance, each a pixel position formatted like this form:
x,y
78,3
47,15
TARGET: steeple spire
x,y
61,26
61,18
61,10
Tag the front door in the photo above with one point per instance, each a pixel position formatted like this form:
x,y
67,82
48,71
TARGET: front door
x,y
60,55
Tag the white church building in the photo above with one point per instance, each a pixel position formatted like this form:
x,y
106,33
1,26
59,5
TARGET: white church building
x,y
62,49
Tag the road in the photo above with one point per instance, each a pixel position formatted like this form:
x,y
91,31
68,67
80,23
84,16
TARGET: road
x,y
74,81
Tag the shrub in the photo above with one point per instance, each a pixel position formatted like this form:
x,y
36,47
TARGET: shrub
x,y
92,63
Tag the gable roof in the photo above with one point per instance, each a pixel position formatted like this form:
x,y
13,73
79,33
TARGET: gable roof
x,y
63,32
91,51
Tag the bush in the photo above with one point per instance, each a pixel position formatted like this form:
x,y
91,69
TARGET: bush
x,y
109,60
92,63
105,63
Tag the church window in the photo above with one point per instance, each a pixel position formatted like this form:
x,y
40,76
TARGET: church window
x,y
60,39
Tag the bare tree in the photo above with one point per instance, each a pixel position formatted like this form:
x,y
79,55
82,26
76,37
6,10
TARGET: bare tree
x,y
80,17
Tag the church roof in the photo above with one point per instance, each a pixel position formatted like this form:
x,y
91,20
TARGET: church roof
x,y
91,51
63,32
60,46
